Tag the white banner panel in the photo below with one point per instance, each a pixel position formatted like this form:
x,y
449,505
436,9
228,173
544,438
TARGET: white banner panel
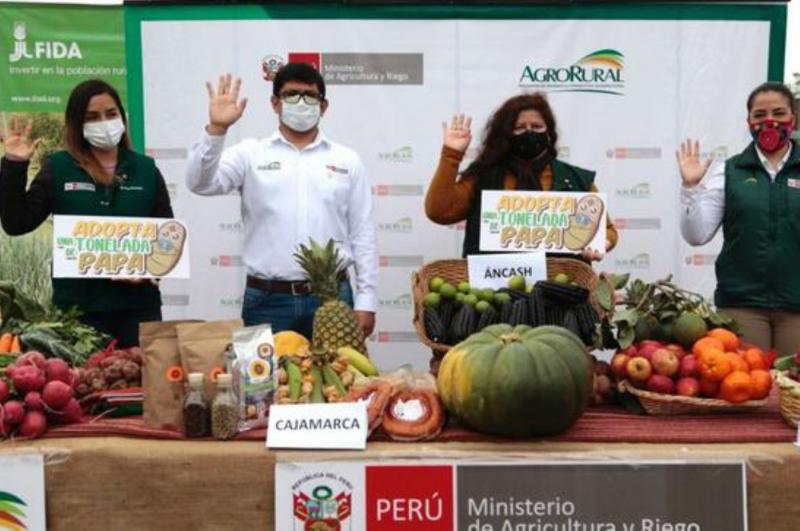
x,y
624,93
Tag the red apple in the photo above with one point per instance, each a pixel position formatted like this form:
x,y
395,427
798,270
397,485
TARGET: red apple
x,y
658,383
649,343
689,366
639,369
709,388
677,349
631,351
646,351
688,386
665,362
618,363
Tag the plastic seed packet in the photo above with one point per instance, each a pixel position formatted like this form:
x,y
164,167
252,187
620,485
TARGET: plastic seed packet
x,y
253,364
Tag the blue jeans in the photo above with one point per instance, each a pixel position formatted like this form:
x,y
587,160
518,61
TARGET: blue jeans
x,y
285,311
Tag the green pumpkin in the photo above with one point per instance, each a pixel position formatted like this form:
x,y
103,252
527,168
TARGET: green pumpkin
x,y
517,381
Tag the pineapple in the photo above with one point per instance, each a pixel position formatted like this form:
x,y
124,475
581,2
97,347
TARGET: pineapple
x,y
335,323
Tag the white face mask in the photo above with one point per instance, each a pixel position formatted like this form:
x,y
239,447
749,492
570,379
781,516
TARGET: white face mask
x,y
104,135
300,116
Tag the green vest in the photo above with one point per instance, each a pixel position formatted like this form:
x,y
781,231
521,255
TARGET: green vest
x,y
132,195
566,178
759,261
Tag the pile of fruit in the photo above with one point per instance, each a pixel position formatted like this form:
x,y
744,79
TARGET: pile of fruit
x,y
109,369
36,392
320,375
718,366
453,313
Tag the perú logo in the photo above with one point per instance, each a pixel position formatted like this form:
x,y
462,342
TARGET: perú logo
x,y
321,507
41,49
401,498
599,72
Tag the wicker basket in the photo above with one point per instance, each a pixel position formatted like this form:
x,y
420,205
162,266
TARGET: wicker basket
x,y
455,271
789,392
660,404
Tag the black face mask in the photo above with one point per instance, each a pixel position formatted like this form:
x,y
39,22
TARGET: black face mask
x,y
530,144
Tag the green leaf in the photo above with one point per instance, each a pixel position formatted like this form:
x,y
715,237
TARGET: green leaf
x,y
784,363
619,281
604,296
628,317
626,337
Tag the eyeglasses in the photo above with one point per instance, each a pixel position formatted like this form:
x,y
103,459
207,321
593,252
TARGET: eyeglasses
x,y
293,96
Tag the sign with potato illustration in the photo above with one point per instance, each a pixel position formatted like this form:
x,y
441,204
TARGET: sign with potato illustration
x,y
104,247
563,222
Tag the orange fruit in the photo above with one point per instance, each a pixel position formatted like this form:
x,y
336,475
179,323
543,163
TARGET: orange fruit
x,y
737,362
707,343
755,358
709,388
728,338
762,383
714,365
737,387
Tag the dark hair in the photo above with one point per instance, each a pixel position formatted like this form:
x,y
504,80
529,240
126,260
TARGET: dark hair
x,y
75,116
493,159
301,72
772,86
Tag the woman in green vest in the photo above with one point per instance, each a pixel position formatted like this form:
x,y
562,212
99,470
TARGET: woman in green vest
x,y
755,198
96,175
518,153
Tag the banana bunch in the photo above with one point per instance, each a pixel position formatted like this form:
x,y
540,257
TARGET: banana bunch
x,y
325,376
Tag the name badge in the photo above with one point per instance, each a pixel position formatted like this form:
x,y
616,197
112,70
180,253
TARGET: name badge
x,y
329,426
79,187
793,183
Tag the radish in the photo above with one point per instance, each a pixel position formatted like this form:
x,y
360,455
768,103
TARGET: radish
x,y
32,358
34,425
56,394
57,369
28,378
3,391
14,412
33,401
71,414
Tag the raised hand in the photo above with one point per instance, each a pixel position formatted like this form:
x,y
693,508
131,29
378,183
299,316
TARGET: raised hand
x,y
17,141
692,169
458,136
224,105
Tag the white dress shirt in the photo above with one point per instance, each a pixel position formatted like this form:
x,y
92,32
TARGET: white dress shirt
x,y
703,205
289,196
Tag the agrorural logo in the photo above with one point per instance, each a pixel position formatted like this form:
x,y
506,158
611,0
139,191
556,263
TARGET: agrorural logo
x,y
640,191
41,49
599,72
401,226
640,261
404,155
401,302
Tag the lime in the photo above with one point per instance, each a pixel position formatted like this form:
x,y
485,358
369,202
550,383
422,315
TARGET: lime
x,y
482,306
436,284
470,299
502,298
463,287
517,282
562,278
432,300
486,294
460,298
529,288
448,291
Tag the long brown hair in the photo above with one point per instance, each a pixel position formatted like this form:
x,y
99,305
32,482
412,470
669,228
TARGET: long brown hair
x,y
74,118
492,162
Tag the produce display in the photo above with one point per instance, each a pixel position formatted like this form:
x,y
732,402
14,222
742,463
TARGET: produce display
x,y
717,366
517,381
109,369
452,313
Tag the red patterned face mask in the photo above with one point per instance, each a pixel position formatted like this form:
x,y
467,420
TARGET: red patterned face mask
x,y
771,135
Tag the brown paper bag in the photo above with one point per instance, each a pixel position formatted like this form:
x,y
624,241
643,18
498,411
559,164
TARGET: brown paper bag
x,y
162,374
203,347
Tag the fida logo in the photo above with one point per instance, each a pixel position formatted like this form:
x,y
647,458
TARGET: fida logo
x,y
599,72
12,515
323,501
640,191
41,49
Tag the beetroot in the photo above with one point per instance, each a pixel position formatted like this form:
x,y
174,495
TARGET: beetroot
x,y
33,401
34,425
28,378
57,369
71,414
3,390
14,412
34,358
56,394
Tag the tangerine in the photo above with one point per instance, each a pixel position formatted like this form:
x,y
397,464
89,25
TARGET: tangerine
x,y
706,343
728,338
737,362
762,383
736,388
755,359
714,365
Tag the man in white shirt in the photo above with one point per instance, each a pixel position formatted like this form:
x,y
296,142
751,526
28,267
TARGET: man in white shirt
x,y
755,198
295,185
